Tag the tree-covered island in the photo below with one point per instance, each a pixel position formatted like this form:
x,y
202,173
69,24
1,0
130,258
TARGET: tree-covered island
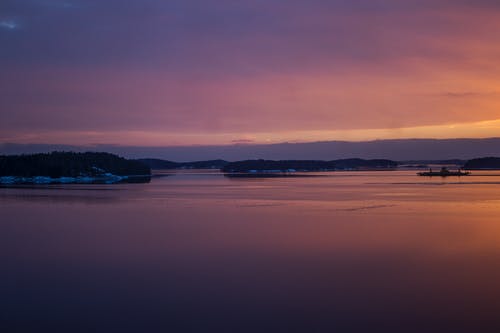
x,y
269,166
483,163
70,167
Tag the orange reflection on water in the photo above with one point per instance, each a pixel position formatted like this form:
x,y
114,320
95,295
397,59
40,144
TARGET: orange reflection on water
x,y
348,252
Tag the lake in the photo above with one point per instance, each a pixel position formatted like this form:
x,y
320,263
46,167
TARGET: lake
x,y
194,251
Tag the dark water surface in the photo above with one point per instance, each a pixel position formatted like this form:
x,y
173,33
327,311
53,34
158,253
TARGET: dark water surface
x,y
194,252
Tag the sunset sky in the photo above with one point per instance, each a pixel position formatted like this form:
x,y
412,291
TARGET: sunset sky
x,y
183,72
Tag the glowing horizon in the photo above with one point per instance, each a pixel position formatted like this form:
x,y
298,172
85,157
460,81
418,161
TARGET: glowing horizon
x,y
193,73
488,129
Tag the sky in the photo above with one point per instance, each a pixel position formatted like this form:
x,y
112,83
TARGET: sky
x,y
201,72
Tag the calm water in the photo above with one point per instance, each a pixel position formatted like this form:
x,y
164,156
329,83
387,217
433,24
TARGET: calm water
x,y
198,252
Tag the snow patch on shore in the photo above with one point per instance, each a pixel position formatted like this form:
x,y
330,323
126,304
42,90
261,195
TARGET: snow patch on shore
x,y
107,178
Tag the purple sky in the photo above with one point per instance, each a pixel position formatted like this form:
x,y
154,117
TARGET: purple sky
x,y
144,72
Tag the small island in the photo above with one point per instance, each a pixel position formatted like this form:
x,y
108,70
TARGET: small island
x,y
484,163
288,167
71,168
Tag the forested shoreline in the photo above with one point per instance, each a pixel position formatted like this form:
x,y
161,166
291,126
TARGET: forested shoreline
x,y
70,164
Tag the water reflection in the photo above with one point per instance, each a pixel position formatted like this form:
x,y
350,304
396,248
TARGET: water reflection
x,y
375,252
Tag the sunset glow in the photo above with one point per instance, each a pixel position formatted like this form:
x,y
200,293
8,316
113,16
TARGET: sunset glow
x,y
193,72
482,129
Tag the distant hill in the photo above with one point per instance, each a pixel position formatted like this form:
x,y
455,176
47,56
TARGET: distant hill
x,y
439,162
159,164
398,150
155,163
485,163
69,164
358,163
307,165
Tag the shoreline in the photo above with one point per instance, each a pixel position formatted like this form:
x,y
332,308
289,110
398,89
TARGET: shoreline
x,y
44,180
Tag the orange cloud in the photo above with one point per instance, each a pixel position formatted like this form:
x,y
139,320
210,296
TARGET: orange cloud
x,y
284,72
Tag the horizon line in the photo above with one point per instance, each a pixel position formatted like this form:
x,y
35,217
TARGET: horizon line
x,y
245,144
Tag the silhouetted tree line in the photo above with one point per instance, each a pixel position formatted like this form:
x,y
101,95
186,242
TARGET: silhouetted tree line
x,y
245,166
155,163
355,163
307,165
69,164
483,163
